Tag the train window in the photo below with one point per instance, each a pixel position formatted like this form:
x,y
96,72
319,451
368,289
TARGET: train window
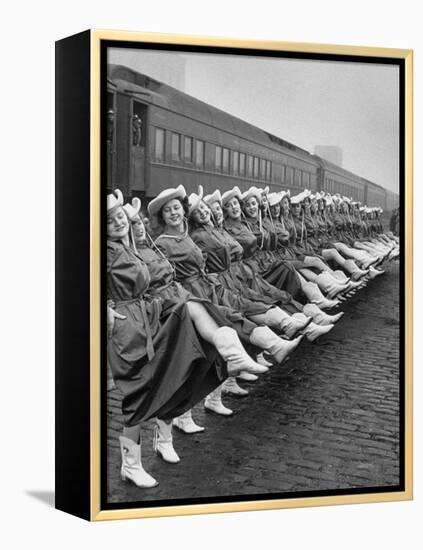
x,y
250,163
306,180
159,144
225,160
218,158
176,147
289,175
235,163
199,154
187,149
256,168
297,178
242,164
262,169
268,170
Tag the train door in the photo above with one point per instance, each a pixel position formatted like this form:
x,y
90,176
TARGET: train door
x,y
138,148
111,141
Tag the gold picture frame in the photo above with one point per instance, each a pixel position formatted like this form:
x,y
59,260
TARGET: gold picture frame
x,y
80,493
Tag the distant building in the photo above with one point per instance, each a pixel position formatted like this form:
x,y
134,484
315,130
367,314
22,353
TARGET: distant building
x,y
332,153
151,64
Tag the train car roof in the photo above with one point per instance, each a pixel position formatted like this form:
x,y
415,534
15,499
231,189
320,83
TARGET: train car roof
x,y
376,185
127,80
335,168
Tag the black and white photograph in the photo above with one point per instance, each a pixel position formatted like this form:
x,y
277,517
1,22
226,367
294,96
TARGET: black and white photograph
x,y
253,273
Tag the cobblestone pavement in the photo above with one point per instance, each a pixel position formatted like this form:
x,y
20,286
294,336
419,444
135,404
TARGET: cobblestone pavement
x,y
328,419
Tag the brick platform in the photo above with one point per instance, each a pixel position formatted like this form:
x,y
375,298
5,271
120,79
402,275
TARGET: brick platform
x,y
328,419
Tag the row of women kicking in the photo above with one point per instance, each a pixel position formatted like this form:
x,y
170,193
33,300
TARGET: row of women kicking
x,y
230,285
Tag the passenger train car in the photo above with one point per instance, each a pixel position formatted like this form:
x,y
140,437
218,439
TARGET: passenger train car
x,y
159,137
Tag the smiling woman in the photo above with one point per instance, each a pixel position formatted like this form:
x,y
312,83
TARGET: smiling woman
x,y
161,350
282,234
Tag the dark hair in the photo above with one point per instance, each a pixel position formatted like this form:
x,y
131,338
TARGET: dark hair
x,y
184,203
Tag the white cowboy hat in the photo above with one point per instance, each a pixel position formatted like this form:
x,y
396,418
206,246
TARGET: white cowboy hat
x,y
329,200
114,199
300,197
165,196
264,191
228,195
132,209
194,199
213,197
252,192
274,198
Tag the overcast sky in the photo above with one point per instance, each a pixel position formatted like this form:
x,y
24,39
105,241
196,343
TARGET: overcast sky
x,y
351,105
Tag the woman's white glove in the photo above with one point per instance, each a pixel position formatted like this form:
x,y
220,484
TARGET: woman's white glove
x,y
111,316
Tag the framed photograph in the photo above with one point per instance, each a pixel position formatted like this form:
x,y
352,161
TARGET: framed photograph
x,y
233,275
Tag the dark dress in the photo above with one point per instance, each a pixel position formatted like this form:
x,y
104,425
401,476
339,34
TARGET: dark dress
x,y
323,231
302,244
341,229
189,264
313,233
286,235
224,257
217,251
158,360
257,244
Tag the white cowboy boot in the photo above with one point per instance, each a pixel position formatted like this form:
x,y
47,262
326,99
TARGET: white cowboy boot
x,y
353,269
319,316
131,464
264,338
314,294
231,387
286,323
313,331
294,324
274,317
278,318
354,285
330,285
394,254
229,346
213,403
328,304
340,276
186,424
366,264
261,360
247,376
163,441
373,273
